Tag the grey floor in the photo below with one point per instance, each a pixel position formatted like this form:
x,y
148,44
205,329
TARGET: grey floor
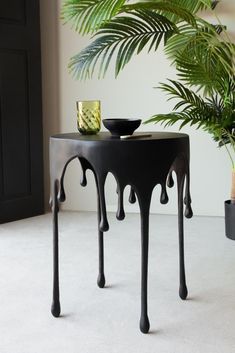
x,y
106,320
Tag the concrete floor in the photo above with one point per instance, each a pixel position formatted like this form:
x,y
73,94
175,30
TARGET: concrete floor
x,y
106,320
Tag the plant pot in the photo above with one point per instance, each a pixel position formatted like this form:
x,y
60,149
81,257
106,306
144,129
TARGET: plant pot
x,y
229,219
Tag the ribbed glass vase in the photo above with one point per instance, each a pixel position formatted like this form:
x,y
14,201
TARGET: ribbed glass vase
x,y
88,117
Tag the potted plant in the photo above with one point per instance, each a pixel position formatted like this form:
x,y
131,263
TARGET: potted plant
x,y
203,54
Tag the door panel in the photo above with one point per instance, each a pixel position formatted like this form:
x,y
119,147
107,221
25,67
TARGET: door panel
x,y
21,165
12,11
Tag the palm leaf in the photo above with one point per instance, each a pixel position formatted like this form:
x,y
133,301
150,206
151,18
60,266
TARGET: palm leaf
x,y
204,65
200,56
192,6
214,115
165,8
195,110
178,42
196,5
189,100
128,35
189,36
87,16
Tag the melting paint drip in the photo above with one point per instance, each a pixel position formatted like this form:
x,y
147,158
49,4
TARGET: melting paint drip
x,y
188,211
164,197
187,200
61,195
170,181
104,225
120,215
132,197
83,181
85,165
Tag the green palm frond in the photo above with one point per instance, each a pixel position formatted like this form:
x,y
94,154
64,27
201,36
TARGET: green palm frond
x,y
87,16
205,66
165,8
205,51
199,71
176,44
179,91
214,115
194,109
191,6
128,35
189,36
201,57
228,91
194,5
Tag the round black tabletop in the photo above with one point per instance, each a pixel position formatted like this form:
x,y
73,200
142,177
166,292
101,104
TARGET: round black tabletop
x,y
137,136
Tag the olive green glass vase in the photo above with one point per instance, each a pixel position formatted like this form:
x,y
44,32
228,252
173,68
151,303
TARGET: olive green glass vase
x,y
88,117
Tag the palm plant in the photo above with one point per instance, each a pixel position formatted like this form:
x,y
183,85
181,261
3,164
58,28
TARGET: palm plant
x,y
203,54
121,29
205,63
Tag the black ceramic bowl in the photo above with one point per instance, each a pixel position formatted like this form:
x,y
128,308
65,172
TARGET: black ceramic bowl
x,y
121,126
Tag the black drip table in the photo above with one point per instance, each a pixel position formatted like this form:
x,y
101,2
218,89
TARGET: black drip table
x,y
141,162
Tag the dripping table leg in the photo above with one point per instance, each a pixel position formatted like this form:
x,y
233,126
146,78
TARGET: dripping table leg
x,y
55,307
101,276
144,321
183,291
103,226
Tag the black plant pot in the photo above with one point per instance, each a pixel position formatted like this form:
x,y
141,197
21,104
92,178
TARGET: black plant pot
x,y
229,219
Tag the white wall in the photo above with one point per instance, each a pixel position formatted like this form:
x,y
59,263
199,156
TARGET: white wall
x,y
133,95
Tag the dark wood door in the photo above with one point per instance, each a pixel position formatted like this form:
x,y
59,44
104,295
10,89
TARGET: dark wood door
x,y
21,155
